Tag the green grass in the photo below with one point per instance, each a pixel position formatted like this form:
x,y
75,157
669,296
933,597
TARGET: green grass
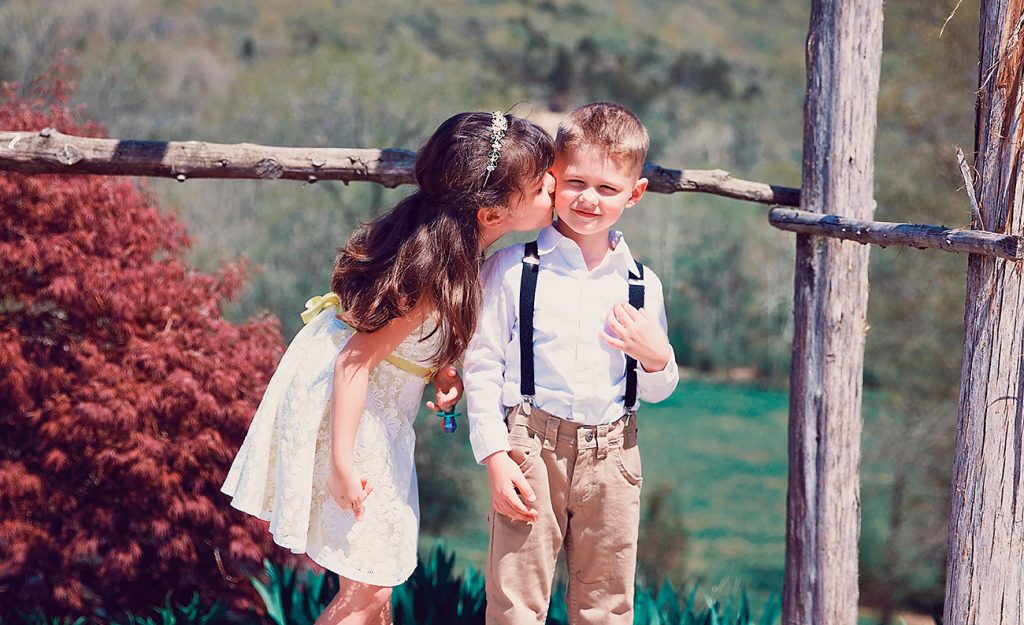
x,y
723,450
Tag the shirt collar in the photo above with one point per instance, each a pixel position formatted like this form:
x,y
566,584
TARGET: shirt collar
x,y
619,255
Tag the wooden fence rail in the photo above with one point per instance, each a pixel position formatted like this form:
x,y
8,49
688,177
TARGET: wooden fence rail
x,y
885,233
51,152
48,151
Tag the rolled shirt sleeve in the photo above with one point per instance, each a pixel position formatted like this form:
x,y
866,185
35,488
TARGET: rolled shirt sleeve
x,y
485,360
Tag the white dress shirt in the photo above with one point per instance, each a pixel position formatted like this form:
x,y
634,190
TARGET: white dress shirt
x,y
578,376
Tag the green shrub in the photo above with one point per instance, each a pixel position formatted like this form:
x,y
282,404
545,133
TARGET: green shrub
x,y
191,613
434,595
290,602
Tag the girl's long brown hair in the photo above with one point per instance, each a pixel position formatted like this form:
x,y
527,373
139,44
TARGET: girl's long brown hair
x,y
426,249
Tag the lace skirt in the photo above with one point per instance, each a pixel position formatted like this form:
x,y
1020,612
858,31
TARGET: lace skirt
x,y
280,472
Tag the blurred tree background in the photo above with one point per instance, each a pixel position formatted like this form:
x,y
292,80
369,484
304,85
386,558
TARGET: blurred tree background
x,y
719,83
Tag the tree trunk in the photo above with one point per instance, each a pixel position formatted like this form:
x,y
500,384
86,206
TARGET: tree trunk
x,y
985,557
844,47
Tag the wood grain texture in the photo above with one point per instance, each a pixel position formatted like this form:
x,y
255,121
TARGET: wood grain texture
x,y
51,152
886,233
844,47
985,557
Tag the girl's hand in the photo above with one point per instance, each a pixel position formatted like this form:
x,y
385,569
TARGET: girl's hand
x,y
449,389
638,335
349,492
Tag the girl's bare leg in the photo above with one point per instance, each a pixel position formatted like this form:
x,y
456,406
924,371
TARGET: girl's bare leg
x,y
385,614
358,604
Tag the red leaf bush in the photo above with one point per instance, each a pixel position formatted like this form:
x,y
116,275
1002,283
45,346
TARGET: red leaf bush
x,y
124,395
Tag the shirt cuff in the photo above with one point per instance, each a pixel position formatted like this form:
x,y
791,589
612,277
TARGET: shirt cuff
x,y
488,438
657,385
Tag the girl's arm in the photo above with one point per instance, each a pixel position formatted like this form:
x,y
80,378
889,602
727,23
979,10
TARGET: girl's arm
x,y
361,353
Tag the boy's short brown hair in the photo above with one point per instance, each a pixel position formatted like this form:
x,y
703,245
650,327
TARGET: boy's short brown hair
x,y
609,127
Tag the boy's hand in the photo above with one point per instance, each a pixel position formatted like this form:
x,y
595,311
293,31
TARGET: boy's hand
x,y
505,479
639,336
449,389
348,491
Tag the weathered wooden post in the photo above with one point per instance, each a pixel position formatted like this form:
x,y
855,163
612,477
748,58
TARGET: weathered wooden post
x,y
985,557
844,49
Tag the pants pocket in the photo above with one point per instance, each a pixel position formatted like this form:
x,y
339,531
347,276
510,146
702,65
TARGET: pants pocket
x,y
525,445
626,457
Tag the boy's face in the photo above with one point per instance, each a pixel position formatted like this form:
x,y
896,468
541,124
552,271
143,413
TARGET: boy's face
x,y
592,190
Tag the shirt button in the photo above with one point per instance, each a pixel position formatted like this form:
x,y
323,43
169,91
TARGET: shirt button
x,y
590,436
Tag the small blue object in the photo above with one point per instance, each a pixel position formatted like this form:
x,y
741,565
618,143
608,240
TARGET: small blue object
x,y
448,420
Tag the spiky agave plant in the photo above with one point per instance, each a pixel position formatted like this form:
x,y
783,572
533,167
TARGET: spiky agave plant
x,y
292,599
435,595
191,613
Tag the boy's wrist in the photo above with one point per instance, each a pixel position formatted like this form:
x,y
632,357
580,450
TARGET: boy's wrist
x,y
490,460
656,362
654,366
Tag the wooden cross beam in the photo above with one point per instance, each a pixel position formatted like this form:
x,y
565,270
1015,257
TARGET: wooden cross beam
x,y
886,233
51,152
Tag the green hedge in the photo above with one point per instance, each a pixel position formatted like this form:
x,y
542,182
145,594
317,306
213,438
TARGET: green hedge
x,y
434,595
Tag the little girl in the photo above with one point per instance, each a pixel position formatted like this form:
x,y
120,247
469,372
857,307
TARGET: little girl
x,y
328,459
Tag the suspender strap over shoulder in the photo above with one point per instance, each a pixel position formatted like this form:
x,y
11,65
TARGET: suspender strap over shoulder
x,y
636,300
527,297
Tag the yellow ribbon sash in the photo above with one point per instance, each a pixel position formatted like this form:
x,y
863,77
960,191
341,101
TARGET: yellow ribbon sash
x,y
318,303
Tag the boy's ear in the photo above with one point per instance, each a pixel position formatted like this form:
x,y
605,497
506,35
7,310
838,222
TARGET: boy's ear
x,y
638,192
490,216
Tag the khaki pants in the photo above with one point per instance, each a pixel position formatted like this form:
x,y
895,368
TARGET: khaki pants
x,y
587,481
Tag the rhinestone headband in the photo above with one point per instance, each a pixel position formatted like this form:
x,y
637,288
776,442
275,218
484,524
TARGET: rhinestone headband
x,y
498,127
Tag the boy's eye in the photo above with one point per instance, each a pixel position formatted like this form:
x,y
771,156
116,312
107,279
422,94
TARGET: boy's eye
x,y
609,189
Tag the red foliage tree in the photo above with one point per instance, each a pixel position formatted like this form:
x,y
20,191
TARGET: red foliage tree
x,y
123,397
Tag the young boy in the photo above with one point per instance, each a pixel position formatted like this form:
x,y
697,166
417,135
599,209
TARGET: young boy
x,y
552,384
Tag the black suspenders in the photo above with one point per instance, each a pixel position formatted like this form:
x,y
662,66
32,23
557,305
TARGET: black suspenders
x,y
636,300
527,298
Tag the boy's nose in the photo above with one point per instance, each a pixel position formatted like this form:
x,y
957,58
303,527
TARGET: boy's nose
x,y
590,196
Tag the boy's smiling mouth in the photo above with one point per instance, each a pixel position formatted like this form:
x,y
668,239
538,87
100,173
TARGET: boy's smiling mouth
x,y
586,214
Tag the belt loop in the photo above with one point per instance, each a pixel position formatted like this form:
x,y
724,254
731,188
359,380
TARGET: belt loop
x,y
627,420
519,417
602,442
551,432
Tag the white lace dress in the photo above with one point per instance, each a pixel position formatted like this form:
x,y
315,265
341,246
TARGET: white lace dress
x,y
280,472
